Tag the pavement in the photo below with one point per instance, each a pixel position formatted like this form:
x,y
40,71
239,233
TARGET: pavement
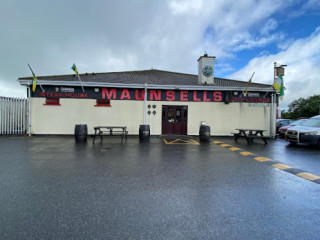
x,y
168,188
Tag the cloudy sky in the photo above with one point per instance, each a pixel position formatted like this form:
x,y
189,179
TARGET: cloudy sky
x,y
246,36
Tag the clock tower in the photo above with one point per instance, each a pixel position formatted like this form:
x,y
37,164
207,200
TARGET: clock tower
x,y
206,70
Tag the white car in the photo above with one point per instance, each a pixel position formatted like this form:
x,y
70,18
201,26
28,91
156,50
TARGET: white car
x,y
308,132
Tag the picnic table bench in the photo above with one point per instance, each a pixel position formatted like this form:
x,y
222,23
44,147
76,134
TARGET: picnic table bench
x,y
250,134
101,131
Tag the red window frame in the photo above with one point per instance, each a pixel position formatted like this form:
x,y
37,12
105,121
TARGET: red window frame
x,y
103,103
52,101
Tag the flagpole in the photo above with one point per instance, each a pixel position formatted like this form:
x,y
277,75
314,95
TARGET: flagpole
x,y
274,108
272,117
246,89
274,71
74,68
34,76
80,82
278,73
41,87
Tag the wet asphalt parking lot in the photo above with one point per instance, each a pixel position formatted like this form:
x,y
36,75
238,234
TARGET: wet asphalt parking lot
x,y
53,188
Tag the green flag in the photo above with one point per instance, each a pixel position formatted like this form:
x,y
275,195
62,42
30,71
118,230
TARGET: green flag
x,y
279,86
281,94
74,68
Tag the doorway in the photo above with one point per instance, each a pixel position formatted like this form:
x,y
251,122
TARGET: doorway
x,y
174,120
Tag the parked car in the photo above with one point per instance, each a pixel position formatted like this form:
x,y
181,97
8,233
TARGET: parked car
x,y
282,122
308,132
283,130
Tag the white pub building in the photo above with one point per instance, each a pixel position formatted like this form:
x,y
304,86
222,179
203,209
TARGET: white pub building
x,y
169,102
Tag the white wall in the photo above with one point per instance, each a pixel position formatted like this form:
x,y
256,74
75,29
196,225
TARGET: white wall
x,y
47,119
222,118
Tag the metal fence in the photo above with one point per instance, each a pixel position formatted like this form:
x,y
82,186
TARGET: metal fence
x,y
13,116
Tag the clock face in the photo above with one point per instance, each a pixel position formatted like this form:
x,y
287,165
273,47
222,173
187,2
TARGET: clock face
x,y
207,71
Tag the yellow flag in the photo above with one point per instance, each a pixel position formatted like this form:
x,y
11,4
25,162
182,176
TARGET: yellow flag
x,y
34,81
248,83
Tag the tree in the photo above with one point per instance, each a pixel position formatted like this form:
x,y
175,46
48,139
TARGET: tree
x,y
302,107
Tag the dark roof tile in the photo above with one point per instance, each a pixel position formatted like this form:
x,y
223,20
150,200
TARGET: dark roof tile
x,y
153,76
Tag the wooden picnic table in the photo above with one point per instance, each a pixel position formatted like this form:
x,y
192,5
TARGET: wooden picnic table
x,y
101,131
250,134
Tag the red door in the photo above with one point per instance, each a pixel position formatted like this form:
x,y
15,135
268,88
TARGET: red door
x,y
174,120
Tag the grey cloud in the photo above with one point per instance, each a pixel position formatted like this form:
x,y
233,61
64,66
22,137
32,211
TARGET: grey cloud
x,y
119,35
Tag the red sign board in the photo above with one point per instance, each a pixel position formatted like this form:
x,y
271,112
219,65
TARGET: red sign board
x,y
152,95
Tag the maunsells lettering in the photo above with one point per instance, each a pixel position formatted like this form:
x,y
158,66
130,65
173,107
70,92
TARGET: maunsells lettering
x,y
153,95
195,98
217,96
205,99
109,94
184,96
139,94
170,96
125,94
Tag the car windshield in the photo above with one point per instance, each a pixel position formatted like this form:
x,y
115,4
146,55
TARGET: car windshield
x,y
311,122
298,122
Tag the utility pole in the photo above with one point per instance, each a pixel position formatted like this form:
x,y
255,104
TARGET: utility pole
x,y
277,70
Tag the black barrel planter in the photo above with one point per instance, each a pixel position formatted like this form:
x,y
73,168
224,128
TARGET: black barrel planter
x,y
81,132
144,133
204,133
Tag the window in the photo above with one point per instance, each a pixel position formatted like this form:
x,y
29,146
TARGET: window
x,y
52,101
103,103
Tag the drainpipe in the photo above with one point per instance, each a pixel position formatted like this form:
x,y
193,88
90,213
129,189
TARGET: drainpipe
x,y
145,105
271,117
29,111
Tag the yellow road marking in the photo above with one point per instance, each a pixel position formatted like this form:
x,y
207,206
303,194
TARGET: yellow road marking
x,y
234,149
281,166
194,142
305,175
308,176
262,159
174,141
225,145
181,141
246,153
